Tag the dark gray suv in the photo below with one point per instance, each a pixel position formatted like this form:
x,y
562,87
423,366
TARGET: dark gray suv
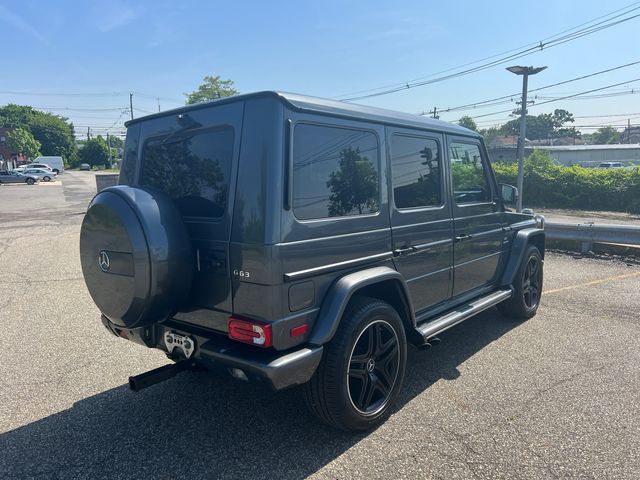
x,y
294,240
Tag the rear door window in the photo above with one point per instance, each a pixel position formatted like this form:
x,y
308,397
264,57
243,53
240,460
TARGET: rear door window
x,y
193,168
415,162
335,172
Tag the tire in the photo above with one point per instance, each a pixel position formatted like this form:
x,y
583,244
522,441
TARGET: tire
x,y
30,181
46,179
56,171
362,368
527,287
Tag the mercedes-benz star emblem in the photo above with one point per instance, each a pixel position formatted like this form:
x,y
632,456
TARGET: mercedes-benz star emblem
x,y
103,261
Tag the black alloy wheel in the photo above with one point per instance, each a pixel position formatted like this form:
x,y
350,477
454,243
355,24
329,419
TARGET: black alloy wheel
x,y
527,286
373,368
362,367
531,282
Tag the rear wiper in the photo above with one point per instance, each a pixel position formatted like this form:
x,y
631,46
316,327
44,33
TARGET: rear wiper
x,y
186,123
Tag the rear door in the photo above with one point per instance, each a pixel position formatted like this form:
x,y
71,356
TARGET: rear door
x,y
420,215
477,217
192,157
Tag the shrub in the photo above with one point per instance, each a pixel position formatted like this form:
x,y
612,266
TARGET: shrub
x,y
547,184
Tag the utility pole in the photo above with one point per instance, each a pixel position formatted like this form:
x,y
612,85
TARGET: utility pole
x,y
158,104
88,133
109,145
435,113
628,130
131,105
525,72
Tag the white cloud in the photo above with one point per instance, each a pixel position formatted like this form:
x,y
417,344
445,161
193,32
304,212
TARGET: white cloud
x,y
117,17
21,24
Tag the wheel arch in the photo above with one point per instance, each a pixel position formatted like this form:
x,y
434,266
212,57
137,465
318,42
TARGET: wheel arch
x,y
521,240
382,283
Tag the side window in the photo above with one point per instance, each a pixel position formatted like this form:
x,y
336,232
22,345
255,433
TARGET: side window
x,y
128,169
415,163
335,172
469,178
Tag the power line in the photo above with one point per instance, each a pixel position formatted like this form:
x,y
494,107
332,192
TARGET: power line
x,y
564,98
521,53
497,100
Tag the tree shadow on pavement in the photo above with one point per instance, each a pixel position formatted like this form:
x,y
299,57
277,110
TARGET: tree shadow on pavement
x,y
203,425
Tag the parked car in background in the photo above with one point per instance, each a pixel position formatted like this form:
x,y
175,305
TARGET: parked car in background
x,y
85,166
18,177
55,163
37,165
610,165
43,173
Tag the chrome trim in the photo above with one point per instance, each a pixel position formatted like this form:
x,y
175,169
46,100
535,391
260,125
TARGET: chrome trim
x,y
342,235
437,243
309,272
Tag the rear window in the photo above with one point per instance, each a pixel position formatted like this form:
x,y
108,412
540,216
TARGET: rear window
x,y
193,168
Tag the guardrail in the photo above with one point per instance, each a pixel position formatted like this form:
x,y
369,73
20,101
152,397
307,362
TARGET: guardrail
x,y
589,233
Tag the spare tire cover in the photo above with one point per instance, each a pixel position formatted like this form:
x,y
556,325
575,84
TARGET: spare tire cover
x,y
136,255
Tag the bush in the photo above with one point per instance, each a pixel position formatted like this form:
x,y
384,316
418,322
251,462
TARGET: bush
x,y
555,186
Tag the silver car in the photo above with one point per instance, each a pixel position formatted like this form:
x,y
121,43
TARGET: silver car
x,y
44,174
17,177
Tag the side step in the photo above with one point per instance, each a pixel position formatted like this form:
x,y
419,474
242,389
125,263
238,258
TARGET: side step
x,y
440,324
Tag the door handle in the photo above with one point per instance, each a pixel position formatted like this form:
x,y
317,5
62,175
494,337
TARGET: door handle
x,y
463,237
403,251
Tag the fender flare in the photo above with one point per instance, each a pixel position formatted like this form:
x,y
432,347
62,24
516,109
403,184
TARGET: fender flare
x,y
339,294
519,244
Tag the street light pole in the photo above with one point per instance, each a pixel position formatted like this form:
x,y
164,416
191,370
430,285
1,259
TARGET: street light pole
x,y
525,72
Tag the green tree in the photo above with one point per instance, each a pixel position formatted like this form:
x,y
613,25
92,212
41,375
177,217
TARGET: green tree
x,y
543,126
94,152
54,133
468,122
212,89
490,134
354,186
605,135
21,141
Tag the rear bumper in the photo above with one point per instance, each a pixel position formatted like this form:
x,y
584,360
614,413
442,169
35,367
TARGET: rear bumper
x,y
278,370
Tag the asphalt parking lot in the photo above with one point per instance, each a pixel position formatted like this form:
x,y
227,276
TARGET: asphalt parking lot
x,y
554,397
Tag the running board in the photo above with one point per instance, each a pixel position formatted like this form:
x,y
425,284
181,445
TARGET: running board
x,y
440,324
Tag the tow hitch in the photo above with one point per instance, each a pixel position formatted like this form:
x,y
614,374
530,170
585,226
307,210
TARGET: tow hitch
x,y
144,380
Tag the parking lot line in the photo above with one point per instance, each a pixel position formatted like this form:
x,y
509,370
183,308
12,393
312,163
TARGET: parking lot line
x,y
594,282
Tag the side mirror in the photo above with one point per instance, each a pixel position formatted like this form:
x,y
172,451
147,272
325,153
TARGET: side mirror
x,y
509,193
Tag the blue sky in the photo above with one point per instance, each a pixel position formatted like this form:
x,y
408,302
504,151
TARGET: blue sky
x,y
92,54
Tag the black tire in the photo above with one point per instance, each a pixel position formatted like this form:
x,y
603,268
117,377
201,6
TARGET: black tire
x,y
46,179
56,171
527,286
30,181
362,368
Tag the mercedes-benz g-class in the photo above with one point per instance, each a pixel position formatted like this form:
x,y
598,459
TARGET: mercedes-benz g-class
x,y
294,240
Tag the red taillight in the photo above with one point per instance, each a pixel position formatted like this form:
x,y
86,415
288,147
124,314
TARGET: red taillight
x,y
251,332
300,330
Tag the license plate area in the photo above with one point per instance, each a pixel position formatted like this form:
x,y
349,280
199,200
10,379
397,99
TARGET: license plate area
x,y
183,343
